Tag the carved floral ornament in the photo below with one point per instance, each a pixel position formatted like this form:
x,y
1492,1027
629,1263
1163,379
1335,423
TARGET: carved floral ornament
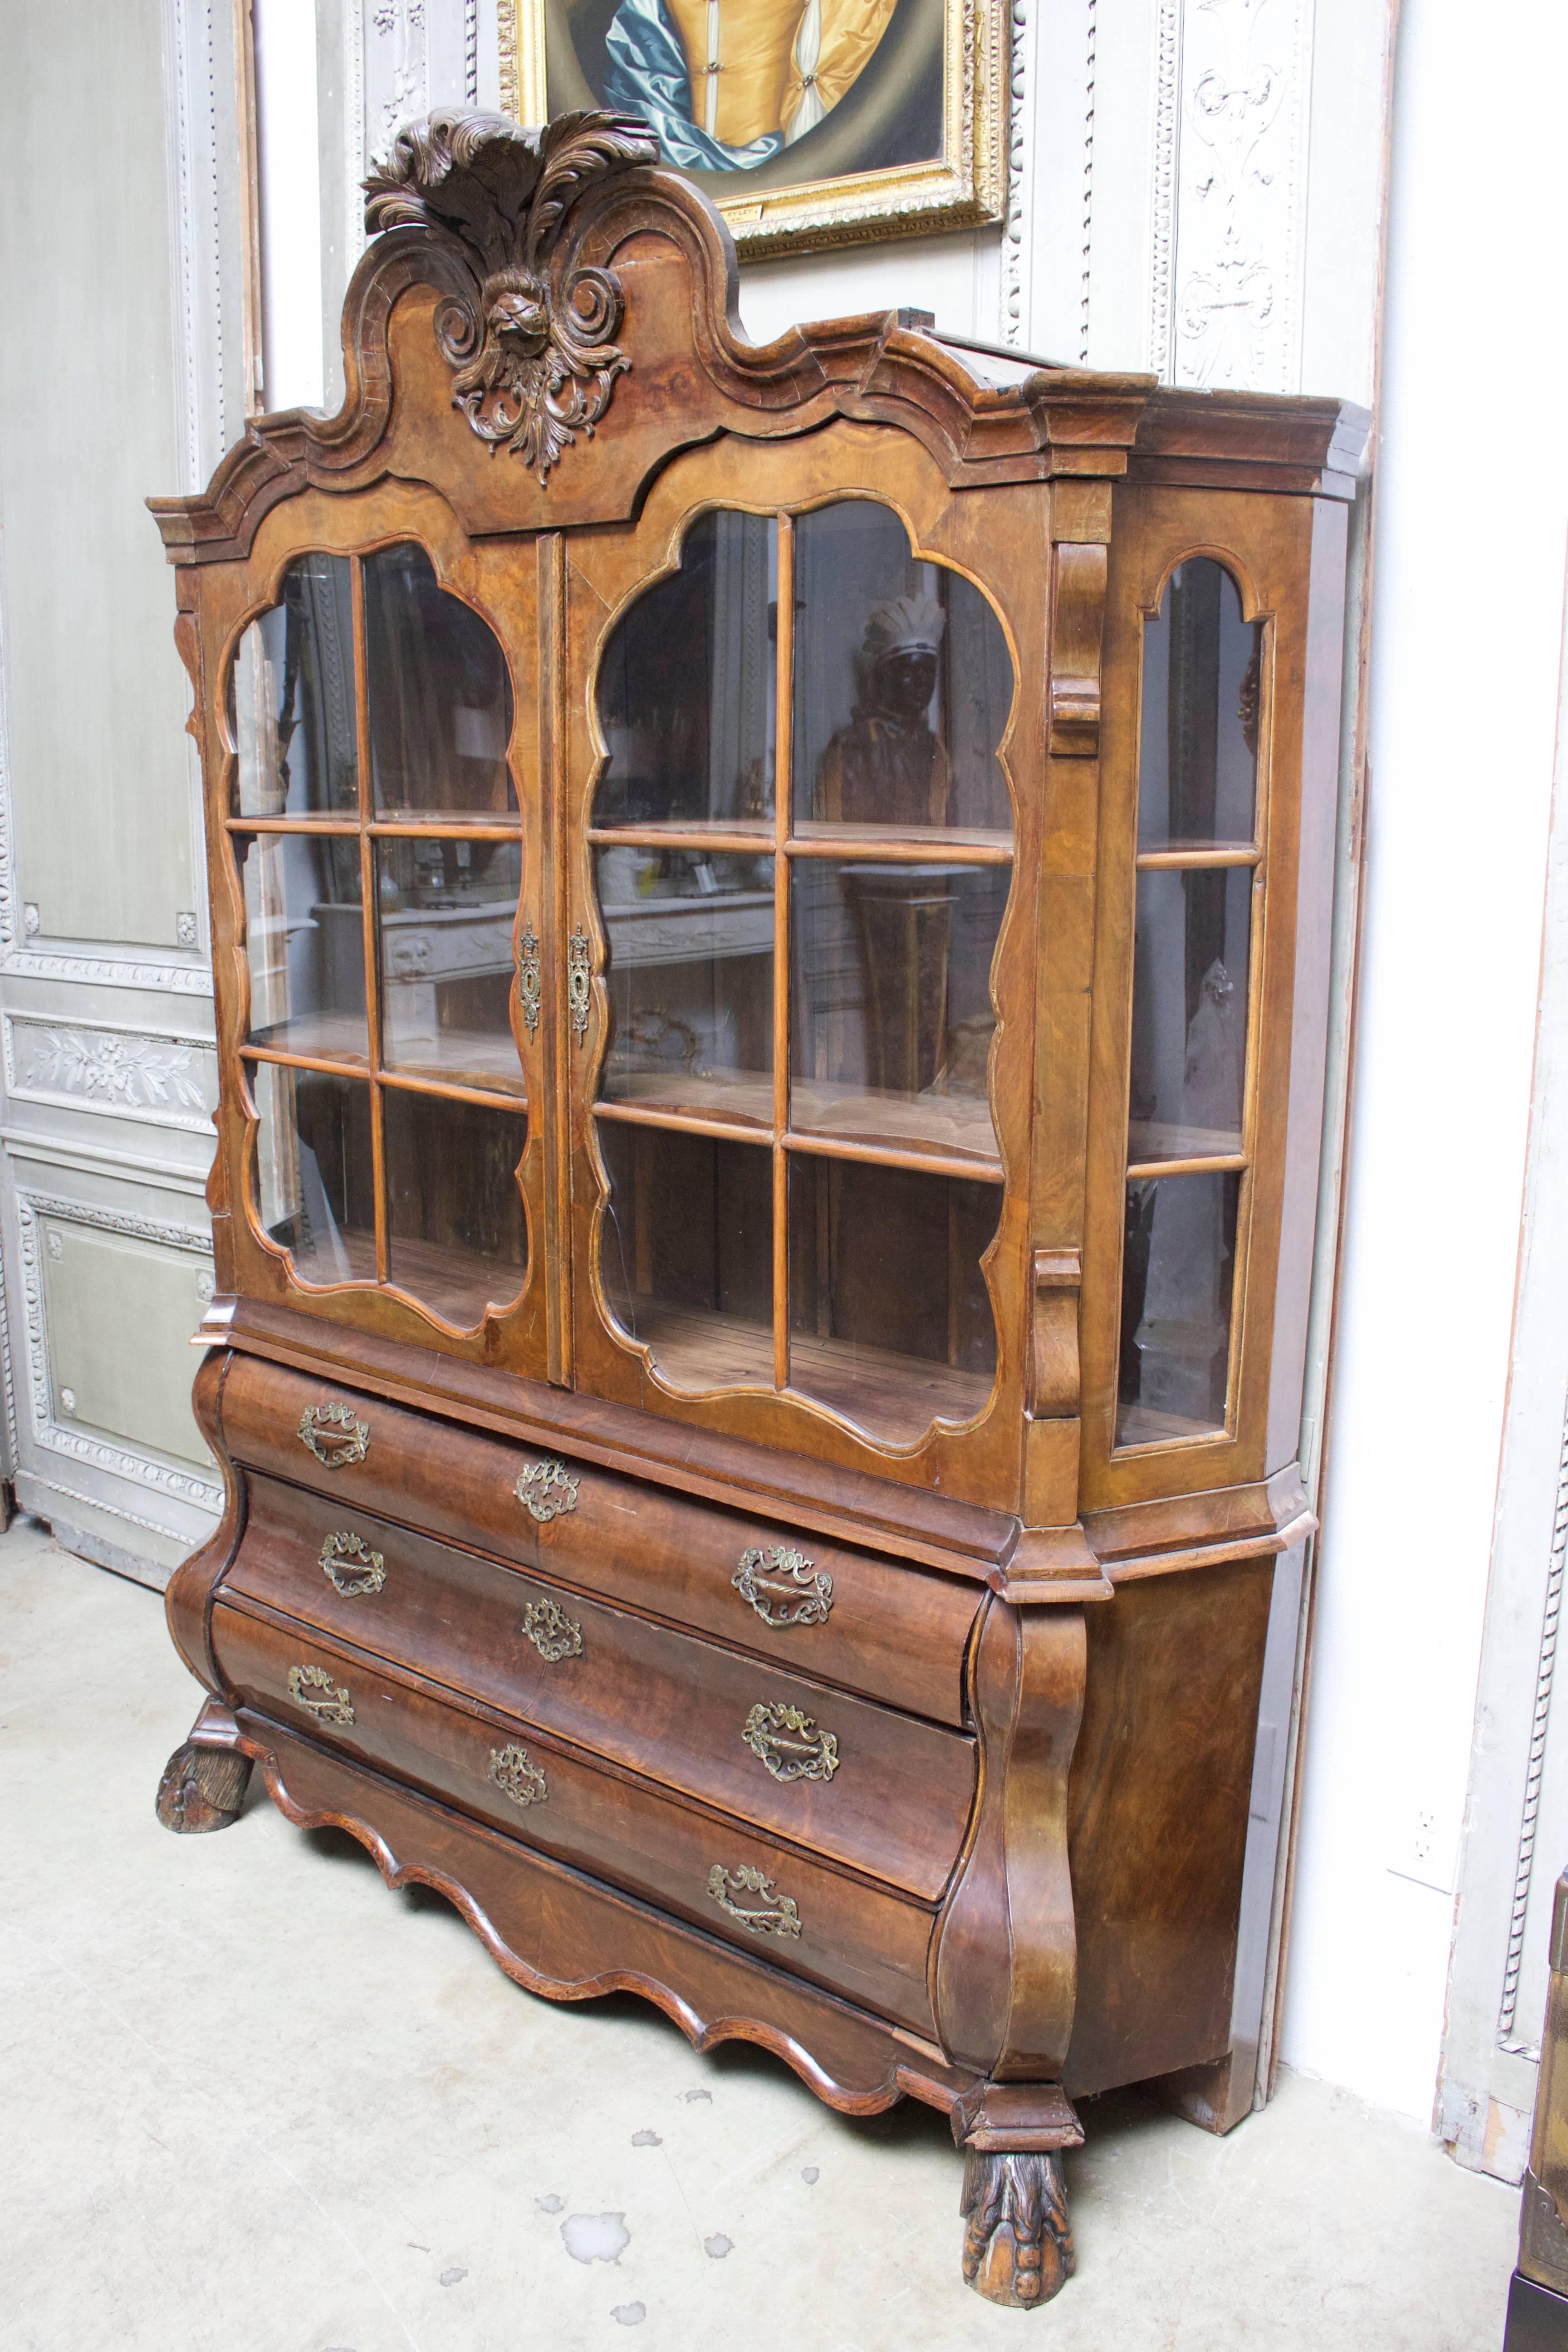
x,y
532,347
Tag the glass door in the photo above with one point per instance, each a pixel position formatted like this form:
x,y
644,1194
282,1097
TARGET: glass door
x,y
801,839
378,849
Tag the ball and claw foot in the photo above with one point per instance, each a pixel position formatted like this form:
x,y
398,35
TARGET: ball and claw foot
x,y
202,1787
1017,2245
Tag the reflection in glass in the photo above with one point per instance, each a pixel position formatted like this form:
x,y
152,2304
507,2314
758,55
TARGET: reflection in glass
x,y
691,978
446,913
902,682
292,698
686,1253
892,1018
1197,774
456,1233
305,942
890,1321
440,701
315,1186
685,685
1189,1013
1177,1280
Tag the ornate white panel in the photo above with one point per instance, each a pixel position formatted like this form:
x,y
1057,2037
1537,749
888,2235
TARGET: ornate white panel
x,y
1232,89
169,1080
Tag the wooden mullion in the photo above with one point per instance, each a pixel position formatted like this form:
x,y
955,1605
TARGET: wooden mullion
x,y
886,1155
1213,1163
1198,861
368,904
556,1104
344,827
783,794
448,1091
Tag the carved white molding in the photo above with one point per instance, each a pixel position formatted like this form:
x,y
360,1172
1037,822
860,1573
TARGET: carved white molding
x,y
1088,82
397,71
74,1445
164,1080
1232,89
1523,2047
191,70
1014,328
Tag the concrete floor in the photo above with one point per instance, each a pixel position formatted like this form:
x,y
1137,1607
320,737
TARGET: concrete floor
x,y
256,2103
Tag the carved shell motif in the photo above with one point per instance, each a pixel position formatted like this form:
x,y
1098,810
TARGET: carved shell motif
x,y
532,347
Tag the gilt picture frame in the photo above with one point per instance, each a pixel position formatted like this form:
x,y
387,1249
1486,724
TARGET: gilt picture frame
x,y
808,122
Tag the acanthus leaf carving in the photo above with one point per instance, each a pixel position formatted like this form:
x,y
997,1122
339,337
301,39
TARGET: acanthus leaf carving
x,y
532,349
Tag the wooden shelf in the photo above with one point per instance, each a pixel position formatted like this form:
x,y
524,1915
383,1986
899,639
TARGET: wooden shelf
x,y
890,1396
1139,1424
1151,1141
319,1037
484,1060
956,1127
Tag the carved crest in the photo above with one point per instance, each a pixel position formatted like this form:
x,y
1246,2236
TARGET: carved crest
x,y
534,348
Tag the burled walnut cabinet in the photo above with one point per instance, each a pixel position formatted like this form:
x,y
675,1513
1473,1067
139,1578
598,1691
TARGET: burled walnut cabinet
x,y
771,914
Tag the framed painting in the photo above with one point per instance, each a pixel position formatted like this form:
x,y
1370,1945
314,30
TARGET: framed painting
x,y
808,122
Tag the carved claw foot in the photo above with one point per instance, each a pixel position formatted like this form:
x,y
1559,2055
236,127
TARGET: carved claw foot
x,y
202,1787
1017,2245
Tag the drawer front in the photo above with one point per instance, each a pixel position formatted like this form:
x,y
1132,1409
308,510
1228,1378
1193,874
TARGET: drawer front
x,y
870,1946
801,1761
838,1615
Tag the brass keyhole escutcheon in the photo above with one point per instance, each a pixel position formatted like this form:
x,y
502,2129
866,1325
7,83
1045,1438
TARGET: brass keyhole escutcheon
x,y
554,1635
518,1778
546,1489
529,979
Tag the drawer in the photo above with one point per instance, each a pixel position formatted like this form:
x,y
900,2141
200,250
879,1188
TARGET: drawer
x,y
886,1793
868,1943
893,1632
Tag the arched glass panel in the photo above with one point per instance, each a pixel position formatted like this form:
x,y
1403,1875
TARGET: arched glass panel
x,y
1199,873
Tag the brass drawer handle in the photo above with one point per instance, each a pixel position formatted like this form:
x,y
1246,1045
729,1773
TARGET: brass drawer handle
x,y
554,1635
783,1588
368,1575
790,1744
778,1915
335,1453
546,1489
516,1778
313,1689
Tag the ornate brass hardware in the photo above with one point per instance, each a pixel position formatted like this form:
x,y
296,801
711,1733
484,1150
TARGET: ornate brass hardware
x,y
554,1635
334,1453
783,1586
577,981
371,1573
790,1744
313,1689
530,980
516,1778
545,1489
777,1915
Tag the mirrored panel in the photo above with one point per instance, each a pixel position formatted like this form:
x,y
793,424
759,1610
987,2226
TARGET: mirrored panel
x,y
304,939
457,1233
890,1321
686,1253
902,683
1189,1013
291,698
1203,666
444,913
892,1022
686,686
315,1184
1178,1276
690,977
440,701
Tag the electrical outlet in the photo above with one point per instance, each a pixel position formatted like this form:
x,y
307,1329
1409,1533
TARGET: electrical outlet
x,y
1425,1845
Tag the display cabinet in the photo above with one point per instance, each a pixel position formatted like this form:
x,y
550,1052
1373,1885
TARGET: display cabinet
x,y
769,915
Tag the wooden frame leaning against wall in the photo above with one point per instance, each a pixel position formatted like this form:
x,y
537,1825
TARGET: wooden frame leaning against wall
x,y
884,1691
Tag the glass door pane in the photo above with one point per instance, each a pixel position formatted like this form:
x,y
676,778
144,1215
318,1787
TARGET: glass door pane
x,y
315,1176
440,701
868,1164
456,1233
445,912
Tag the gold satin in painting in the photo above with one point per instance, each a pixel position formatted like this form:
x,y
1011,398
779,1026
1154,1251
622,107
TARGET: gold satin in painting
x,y
750,61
